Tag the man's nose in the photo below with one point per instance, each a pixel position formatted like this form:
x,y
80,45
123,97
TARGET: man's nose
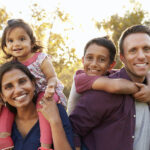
x,y
141,54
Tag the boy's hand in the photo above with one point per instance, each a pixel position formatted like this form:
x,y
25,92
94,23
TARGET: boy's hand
x,y
143,95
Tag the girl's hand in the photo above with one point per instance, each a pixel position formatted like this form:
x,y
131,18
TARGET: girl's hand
x,y
49,92
143,95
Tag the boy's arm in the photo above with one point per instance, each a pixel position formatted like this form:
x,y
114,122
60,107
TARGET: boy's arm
x,y
117,86
83,82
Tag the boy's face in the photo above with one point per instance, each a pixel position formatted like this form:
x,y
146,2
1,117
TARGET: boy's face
x,y
96,60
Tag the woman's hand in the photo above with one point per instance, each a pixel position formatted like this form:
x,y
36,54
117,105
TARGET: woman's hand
x,y
51,113
49,110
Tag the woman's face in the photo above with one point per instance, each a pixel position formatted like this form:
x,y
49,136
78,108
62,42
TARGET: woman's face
x,y
17,88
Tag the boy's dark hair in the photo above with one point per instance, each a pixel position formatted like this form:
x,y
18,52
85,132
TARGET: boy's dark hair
x,y
103,41
13,23
15,65
131,30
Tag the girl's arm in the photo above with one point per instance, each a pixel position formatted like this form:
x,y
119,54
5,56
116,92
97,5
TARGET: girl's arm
x,y
51,113
50,74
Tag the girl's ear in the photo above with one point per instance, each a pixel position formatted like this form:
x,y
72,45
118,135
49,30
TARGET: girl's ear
x,y
112,65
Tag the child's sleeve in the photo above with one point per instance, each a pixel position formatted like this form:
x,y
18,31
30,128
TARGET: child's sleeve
x,y
83,82
73,99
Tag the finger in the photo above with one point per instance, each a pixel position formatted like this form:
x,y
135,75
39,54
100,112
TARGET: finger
x,y
138,94
139,85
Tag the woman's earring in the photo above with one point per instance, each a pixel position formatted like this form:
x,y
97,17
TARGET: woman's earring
x,y
5,104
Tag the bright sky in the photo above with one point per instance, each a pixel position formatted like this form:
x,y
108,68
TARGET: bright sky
x,y
81,11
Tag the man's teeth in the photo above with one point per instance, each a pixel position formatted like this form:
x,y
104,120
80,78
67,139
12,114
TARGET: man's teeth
x,y
141,65
20,97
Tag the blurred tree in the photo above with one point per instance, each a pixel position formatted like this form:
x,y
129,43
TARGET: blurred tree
x,y
3,18
116,24
64,58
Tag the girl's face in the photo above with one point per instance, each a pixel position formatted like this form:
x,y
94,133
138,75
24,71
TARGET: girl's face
x,y
18,44
96,60
17,88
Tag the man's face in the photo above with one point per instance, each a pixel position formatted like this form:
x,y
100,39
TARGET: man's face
x,y
137,55
96,60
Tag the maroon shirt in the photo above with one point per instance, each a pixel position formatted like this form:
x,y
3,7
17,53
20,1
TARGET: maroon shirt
x,y
105,121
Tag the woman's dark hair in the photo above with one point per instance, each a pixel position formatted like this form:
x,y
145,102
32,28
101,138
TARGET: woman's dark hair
x,y
106,42
15,65
13,23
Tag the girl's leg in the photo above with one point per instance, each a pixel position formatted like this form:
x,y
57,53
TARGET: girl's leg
x,y
45,130
6,122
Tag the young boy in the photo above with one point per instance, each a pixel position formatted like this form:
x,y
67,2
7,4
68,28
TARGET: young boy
x,y
98,60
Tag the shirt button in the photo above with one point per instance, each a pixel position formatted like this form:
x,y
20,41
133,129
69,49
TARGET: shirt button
x,y
134,116
132,137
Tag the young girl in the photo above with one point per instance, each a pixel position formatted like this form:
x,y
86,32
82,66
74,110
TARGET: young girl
x,y
98,61
19,42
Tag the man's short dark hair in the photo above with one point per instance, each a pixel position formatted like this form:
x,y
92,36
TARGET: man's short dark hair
x,y
106,42
132,30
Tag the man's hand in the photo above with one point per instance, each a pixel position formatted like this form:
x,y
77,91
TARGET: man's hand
x,y
143,95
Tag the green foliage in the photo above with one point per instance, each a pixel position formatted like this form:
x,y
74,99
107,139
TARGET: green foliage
x,y
116,24
64,58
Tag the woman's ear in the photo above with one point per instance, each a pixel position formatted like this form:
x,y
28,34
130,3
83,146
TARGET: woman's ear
x,y
2,97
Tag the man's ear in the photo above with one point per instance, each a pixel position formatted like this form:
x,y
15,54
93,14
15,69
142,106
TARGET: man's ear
x,y
122,58
112,65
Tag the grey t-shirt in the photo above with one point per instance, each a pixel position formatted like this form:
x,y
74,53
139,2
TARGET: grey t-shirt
x,y
142,128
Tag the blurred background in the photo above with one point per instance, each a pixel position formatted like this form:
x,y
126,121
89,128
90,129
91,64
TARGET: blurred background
x,y
65,26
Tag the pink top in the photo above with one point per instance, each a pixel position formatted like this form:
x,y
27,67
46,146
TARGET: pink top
x,y
33,65
83,82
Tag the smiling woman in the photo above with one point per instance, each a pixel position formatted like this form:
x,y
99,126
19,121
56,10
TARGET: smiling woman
x,y
17,88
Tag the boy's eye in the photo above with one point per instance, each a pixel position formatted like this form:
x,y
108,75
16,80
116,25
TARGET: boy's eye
x,y
101,59
89,57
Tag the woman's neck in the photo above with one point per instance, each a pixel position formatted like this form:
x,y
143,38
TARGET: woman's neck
x,y
27,113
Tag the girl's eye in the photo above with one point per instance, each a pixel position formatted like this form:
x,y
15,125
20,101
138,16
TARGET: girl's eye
x,y
22,39
10,41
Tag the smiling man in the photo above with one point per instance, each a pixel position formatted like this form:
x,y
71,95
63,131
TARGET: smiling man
x,y
107,121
